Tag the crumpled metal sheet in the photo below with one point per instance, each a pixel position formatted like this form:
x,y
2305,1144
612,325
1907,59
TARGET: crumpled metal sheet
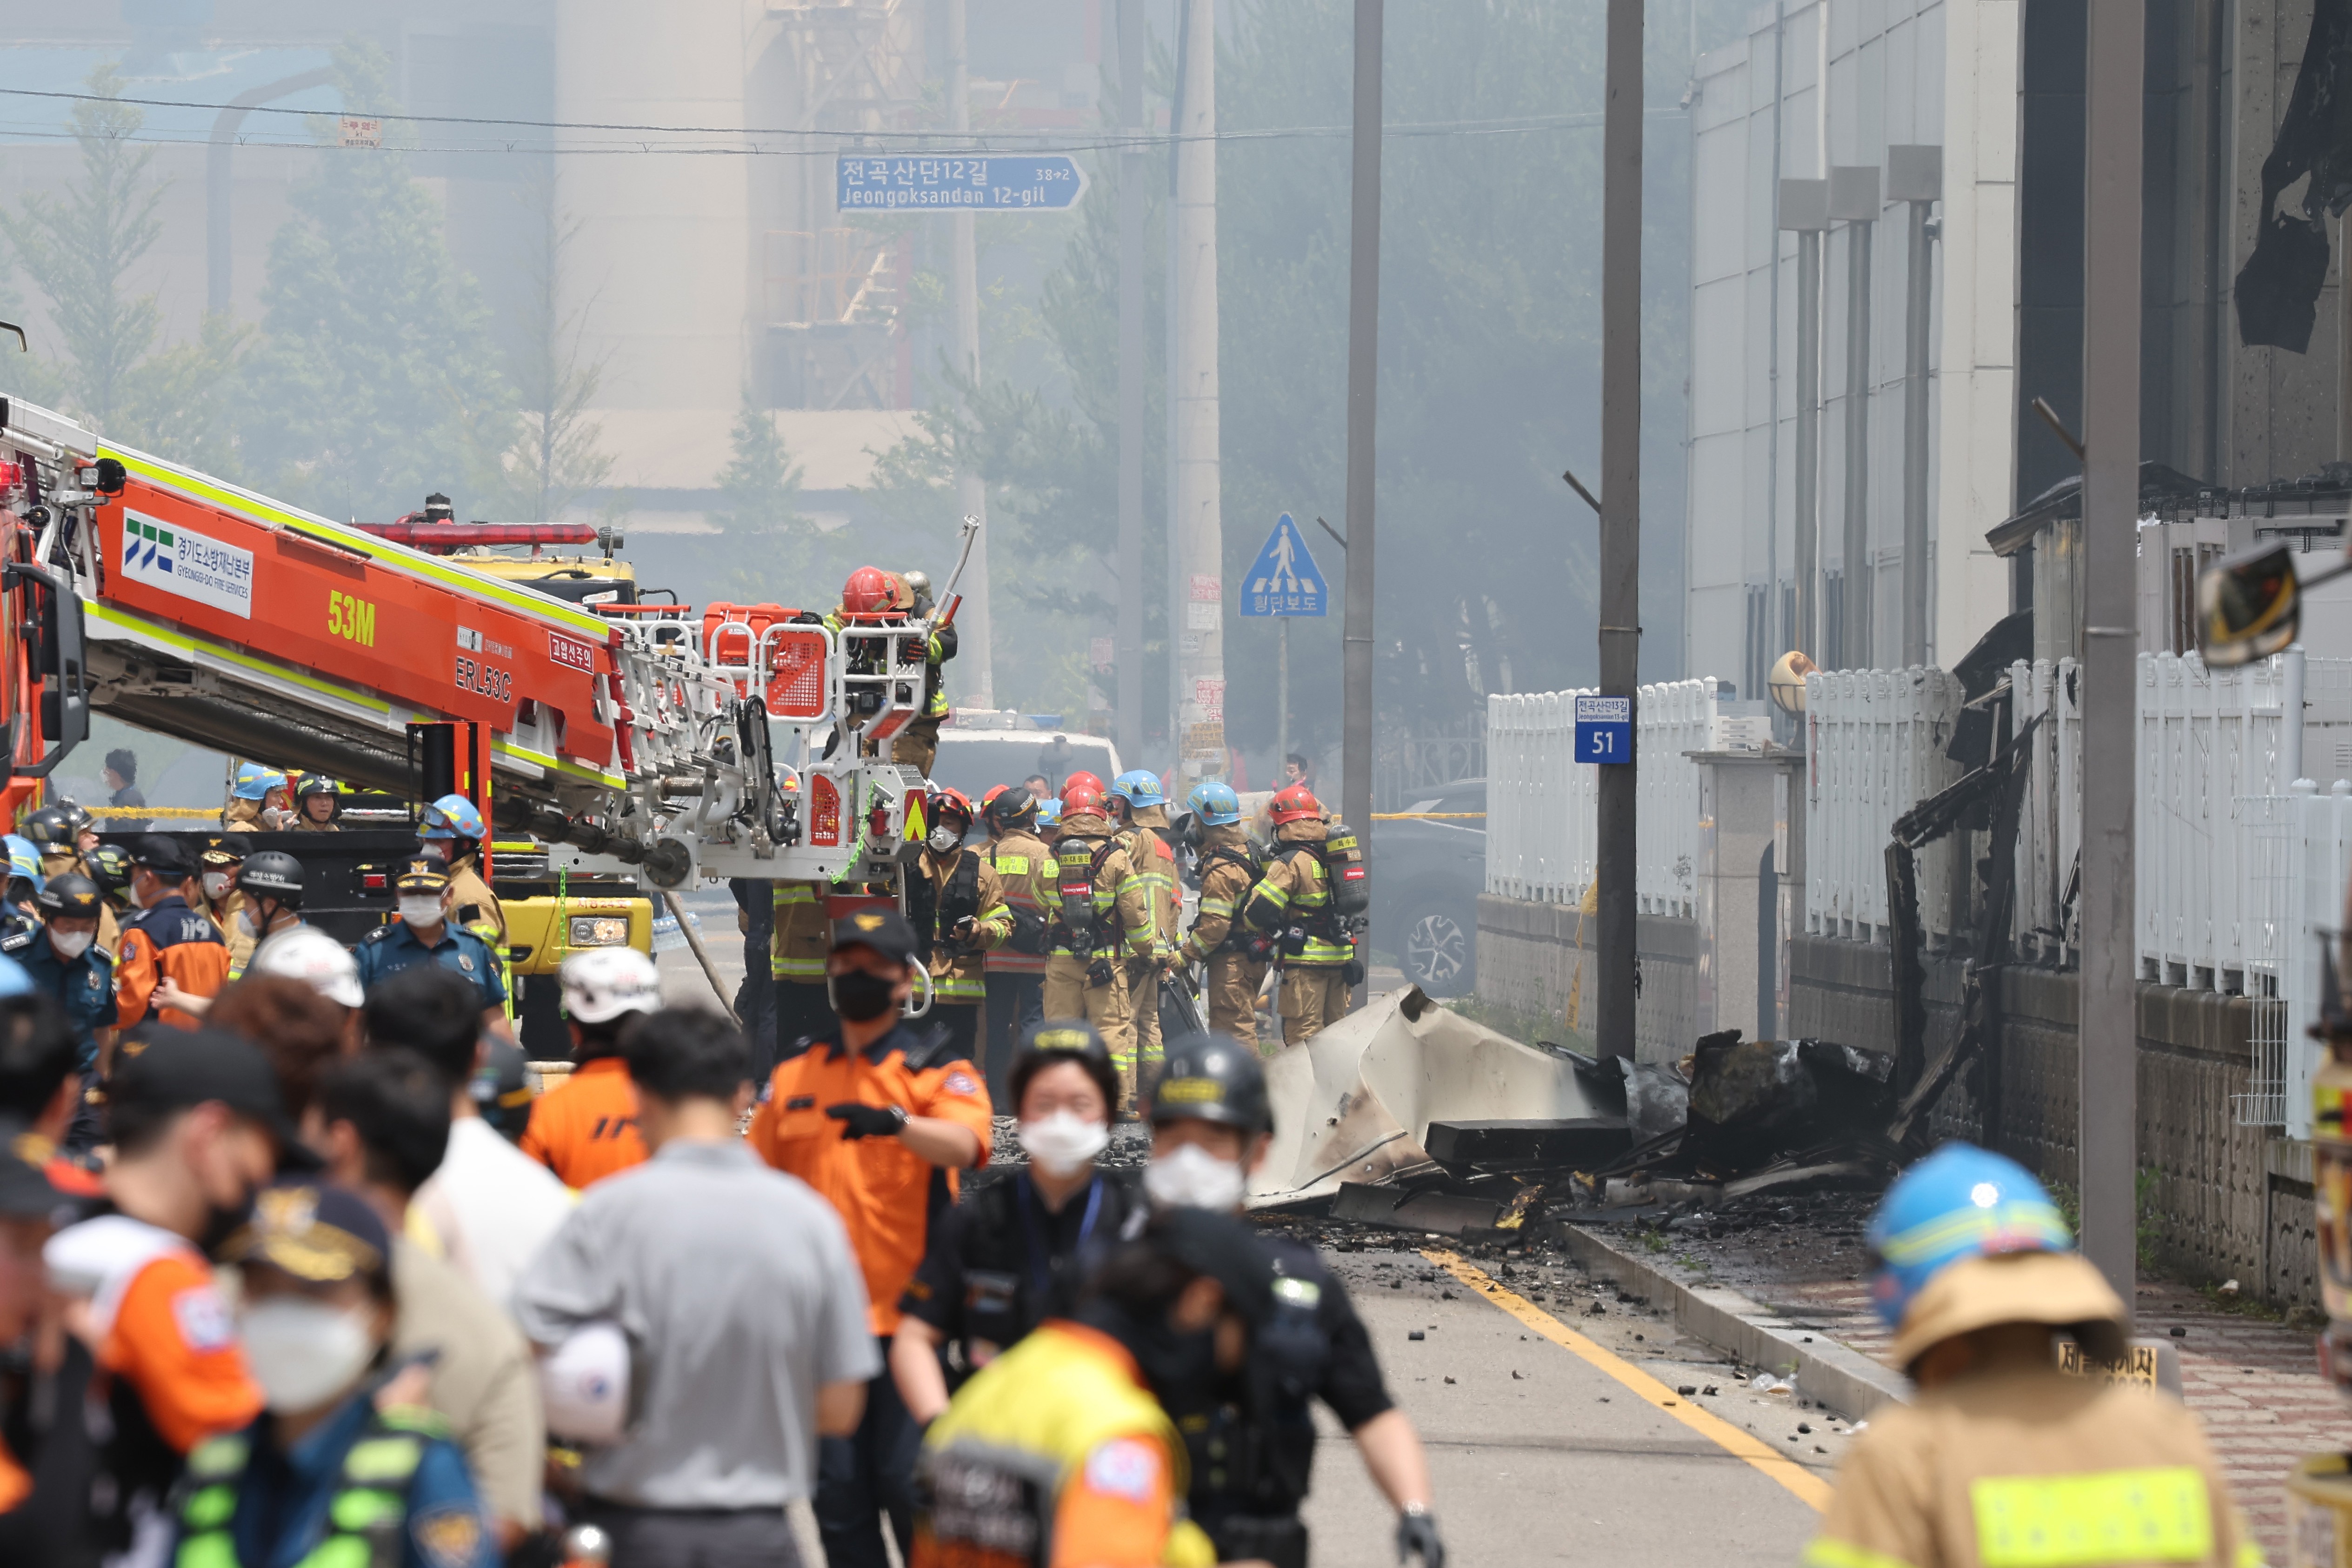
x,y
1355,1102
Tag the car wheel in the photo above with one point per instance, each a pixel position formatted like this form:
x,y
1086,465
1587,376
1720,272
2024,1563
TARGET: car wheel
x,y
1437,951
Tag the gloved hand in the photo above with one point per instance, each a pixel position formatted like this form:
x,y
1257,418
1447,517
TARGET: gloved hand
x,y
1417,1532
866,1121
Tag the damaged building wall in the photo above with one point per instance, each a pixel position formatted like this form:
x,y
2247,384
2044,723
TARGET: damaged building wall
x,y
2219,1201
1529,961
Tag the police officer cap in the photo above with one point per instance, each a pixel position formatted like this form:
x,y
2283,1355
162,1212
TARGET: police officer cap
x,y
1056,1041
220,854
883,929
1209,1078
422,876
164,855
276,873
70,897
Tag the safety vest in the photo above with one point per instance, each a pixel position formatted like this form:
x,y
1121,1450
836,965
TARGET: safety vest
x,y
988,1483
367,1518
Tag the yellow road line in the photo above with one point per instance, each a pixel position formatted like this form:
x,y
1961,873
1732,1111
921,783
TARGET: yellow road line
x,y
1809,1488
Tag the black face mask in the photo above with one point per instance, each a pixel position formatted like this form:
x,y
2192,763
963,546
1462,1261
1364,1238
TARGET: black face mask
x,y
862,997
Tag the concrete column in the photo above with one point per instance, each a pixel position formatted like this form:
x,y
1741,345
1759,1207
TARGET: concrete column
x,y
973,654
1854,200
660,273
1742,807
1197,522
1805,208
1915,176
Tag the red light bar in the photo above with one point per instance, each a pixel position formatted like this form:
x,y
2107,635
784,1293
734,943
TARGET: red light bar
x,y
441,538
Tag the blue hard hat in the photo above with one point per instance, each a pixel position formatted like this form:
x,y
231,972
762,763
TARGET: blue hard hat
x,y
1049,812
1213,804
452,817
1139,787
254,781
24,859
1961,1202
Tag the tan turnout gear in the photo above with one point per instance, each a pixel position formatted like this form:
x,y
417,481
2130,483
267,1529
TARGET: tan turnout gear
x,y
1122,907
1024,869
1234,977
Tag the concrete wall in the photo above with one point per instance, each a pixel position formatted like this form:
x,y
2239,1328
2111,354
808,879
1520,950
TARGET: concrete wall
x,y
1529,961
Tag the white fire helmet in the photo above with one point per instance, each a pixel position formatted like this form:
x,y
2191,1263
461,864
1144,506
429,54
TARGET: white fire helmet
x,y
584,1384
602,983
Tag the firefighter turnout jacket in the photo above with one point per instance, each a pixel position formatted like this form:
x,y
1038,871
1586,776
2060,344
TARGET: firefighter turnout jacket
x,y
1155,863
1055,1455
957,884
1122,917
1293,901
1023,863
1228,871
798,946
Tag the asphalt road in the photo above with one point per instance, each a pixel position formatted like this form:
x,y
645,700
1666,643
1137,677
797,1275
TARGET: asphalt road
x,y
1538,1455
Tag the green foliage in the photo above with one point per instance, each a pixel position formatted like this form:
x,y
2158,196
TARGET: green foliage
x,y
767,551
78,248
375,375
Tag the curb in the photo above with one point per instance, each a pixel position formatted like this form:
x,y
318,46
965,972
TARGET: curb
x,y
1836,1374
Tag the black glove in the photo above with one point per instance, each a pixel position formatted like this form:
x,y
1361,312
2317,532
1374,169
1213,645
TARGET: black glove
x,y
1417,1532
946,638
866,1121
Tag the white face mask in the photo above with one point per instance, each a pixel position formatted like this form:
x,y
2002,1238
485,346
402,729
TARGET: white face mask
x,y
304,1352
1065,1143
422,910
217,884
1192,1177
71,944
942,840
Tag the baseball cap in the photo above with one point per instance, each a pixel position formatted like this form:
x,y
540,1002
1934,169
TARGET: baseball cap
x,y
883,930
179,1069
314,1231
164,855
309,954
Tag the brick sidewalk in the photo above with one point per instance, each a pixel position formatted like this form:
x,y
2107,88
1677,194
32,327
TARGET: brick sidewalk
x,y
2255,1383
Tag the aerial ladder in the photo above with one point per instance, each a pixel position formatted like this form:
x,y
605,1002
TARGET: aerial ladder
x,y
630,737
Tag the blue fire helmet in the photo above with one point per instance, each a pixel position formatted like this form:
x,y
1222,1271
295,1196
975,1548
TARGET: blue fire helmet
x,y
253,782
1213,804
452,817
24,859
1961,1202
1049,812
1139,787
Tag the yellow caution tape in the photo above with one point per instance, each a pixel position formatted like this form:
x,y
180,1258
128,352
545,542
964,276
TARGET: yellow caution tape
x,y
1429,816
149,811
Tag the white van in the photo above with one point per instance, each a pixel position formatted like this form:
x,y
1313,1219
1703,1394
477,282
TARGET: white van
x,y
982,747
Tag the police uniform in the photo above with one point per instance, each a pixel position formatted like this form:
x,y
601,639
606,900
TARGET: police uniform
x,y
1001,1262
1015,968
83,985
368,1489
1235,956
946,889
796,952
1293,904
388,949
1122,929
1252,1451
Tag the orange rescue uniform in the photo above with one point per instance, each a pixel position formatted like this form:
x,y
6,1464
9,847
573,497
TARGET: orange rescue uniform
x,y
883,1190
167,939
585,1128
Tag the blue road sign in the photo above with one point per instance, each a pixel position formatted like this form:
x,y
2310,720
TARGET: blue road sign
x,y
1283,580
1604,729
980,183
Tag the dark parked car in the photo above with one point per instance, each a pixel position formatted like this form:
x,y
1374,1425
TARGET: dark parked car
x,y
1426,879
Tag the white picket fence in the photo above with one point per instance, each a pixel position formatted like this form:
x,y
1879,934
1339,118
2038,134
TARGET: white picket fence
x,y
1874,744
2302,841
1542,805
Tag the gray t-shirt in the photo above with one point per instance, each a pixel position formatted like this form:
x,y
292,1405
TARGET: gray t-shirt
x,y
739,1296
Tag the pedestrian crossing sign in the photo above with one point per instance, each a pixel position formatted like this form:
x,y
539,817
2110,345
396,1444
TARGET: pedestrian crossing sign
x,y
1285,579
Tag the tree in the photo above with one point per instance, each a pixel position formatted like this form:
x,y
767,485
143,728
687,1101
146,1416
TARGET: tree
x,y
375,379
79,248
770,551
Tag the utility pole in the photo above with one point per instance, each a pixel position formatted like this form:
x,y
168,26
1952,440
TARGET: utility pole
x,y
1915,176
1196,522
1854,198
1620,513
1129,641
1805,209
971,492
1364,389
2108,1056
